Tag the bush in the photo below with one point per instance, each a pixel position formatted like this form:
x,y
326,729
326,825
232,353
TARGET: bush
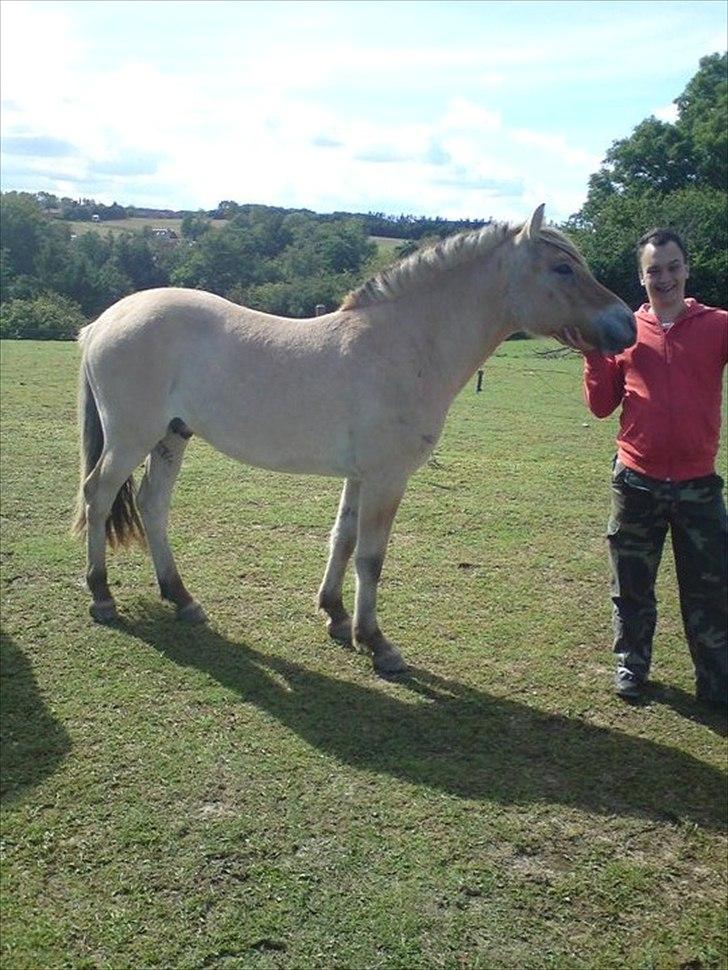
x,y
47,317
296,298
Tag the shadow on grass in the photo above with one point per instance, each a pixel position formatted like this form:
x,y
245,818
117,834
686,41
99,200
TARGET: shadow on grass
x,y
32,742
453,738
686,706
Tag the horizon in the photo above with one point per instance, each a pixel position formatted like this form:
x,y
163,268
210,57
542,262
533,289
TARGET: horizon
x,y
172,212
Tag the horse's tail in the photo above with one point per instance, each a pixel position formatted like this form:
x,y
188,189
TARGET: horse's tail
x,y
123,525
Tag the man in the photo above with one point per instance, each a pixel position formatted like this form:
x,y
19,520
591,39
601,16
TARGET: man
x,y
669,384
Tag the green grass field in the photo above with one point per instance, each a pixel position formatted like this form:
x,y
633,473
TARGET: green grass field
x,y
386,243
136,224
250,795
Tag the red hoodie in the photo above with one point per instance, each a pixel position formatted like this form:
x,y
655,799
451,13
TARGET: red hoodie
x,y
669,385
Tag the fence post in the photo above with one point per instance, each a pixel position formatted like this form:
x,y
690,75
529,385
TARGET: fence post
x,y
479,385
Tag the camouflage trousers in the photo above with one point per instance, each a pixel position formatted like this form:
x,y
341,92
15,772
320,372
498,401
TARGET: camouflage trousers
x,y
643,509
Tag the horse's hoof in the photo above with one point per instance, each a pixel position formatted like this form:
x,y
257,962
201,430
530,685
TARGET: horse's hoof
x,y
340,631
192,613
389,662
103,611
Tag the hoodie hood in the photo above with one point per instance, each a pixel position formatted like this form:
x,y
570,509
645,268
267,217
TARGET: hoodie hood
x,y
692,309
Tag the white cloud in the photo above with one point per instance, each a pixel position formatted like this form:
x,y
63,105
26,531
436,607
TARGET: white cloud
x,y
272,125
465,115
555,145
276,150
37,52
667,113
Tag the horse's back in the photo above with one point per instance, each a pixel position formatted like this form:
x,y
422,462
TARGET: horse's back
x,y
173,309
172,328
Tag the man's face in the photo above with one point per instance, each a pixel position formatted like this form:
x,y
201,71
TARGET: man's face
x,y
663,273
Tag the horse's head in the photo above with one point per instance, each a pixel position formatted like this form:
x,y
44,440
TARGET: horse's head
x,y
554,292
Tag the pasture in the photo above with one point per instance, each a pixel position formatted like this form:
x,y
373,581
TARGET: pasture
x,y
132,224
249,794
386,243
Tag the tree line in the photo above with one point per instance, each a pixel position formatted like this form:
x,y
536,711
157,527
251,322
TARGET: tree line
x,y
287,261
56,277
267,259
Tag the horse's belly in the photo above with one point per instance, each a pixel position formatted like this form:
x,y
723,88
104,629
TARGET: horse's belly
x,y
283,453
308,426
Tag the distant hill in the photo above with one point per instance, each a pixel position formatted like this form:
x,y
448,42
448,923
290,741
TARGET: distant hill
x,y
403,226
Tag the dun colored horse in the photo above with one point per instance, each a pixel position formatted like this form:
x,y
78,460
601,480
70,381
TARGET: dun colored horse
x,y
361,393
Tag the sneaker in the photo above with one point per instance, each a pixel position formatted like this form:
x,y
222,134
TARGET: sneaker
x,y
627,684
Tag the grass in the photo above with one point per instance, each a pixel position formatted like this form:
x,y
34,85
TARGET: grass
x,y
387,243
249,795
133,224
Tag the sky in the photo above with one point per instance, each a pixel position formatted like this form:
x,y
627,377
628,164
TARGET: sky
x,y
455,109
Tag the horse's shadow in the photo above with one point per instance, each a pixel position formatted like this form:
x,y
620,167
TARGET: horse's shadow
x,y
32,742
454,738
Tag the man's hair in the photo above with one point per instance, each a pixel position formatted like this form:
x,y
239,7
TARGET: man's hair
x,y
660,237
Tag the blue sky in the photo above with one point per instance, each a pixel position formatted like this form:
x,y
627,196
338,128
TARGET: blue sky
x,y
459,109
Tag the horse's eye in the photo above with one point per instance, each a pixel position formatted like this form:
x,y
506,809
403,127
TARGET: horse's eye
x,y
563,269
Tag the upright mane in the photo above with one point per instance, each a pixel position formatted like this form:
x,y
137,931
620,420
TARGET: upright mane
x,y
414,270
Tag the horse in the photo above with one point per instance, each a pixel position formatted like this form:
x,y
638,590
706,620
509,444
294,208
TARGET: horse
x,y
361,393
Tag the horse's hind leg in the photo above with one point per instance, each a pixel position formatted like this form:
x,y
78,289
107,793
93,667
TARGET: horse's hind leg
x,y
103,608
100,490
342,543
155,492
378,504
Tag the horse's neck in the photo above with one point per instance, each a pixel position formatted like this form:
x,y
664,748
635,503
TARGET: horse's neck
x,y
460,320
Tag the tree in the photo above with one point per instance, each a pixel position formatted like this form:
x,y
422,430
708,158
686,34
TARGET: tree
x,y
667,157
698,215
136,260
221,260
22,232
225,209
703,111
194,225
664,175
46,200
657,155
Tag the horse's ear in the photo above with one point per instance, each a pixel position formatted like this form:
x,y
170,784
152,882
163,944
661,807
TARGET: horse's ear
x,y
532,228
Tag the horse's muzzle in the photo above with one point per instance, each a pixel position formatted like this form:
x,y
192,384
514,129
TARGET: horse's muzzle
x,y
616,329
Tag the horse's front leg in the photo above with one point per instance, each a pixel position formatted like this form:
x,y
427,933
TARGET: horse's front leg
x,y
342,543
162,467
378,504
